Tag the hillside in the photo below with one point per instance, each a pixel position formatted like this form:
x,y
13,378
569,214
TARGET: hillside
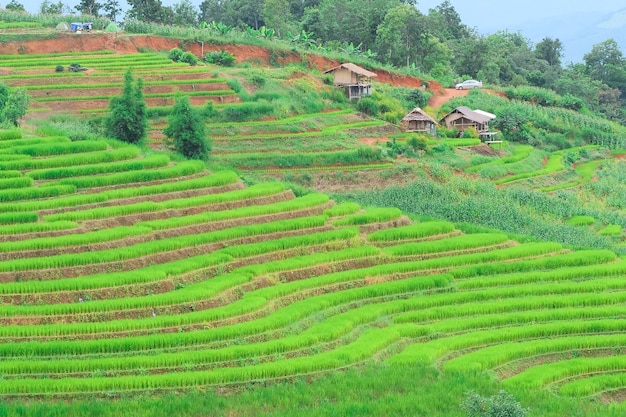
x,y
317,264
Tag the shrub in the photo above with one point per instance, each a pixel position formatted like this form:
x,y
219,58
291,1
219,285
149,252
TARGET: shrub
x,y
470,133
59,68
175,54
189,58
418,142
418,97
234,85
221,57
186,127
368,105
501,404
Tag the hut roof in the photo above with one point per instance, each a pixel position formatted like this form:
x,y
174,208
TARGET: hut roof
x,y
484,113
354,68
471,114
418,114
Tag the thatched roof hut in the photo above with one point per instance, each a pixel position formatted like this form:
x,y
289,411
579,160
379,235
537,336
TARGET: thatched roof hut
x,y
356,80
463,117
418,121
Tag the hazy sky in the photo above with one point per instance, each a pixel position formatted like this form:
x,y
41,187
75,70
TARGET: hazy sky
x,y
490,14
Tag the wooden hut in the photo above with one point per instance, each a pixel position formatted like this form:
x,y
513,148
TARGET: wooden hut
x,y
356,81
419,121
463,117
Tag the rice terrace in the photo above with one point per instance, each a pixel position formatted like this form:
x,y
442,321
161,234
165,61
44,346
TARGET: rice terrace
x,y
321,261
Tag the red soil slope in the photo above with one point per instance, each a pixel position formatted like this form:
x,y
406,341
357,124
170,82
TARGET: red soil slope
x,y
122,43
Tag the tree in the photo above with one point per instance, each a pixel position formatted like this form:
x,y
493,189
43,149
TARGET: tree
x,y
145,10
401,36
277,15
111,9
211,10
353,21
128,120
185,13
47,7
15,6
4,95
243,13
606,63
550,50
89,7
13,104
446,24
186,128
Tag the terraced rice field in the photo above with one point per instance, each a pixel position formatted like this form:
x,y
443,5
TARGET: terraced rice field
x,y
90,91
309,142
123,273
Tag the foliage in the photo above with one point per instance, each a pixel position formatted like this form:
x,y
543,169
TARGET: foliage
x,y
15,6
175,54
418,97
189,58
499,405
221,57
14,103
186,128
470,132
128,117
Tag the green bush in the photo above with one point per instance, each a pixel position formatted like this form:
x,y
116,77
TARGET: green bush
x,y
501,404
175,54
189,58
59,68
470,133
418,97
221,57
246,111
368,105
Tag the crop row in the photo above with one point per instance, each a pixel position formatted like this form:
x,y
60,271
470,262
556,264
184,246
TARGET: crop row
x,y
120,83
325,131
554,164
83,158
110,234
164,245
181,169
151,161
313,159
214,180
519,153
180,267
281,317
168,95
179,203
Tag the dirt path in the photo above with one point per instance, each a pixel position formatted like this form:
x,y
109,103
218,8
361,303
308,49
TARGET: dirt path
x,y
445,94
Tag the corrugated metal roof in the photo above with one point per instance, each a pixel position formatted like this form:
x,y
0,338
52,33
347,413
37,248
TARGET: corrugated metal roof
x,y
354,68
491,116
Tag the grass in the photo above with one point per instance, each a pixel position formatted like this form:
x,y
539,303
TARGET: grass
x,y
331,315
